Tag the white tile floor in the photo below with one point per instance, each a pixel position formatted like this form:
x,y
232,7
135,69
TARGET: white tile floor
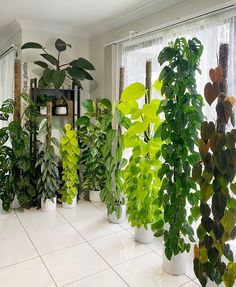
x,y
79,248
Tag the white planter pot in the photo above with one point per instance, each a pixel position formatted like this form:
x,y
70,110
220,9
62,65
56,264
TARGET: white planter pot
x,y
177,265
60,111
213,284
113,218
15,203
43,110
48,205
94,195
72,205
144,235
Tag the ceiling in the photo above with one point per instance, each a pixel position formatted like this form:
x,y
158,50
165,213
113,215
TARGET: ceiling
x,y
80,17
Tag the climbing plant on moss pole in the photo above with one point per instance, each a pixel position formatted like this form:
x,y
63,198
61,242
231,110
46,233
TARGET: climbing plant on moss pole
x,y
215,174
182,108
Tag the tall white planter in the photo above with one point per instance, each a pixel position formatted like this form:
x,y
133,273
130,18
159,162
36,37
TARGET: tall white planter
x,y
177,265
94,196
113,218
72,205
144,235
48,205
213,284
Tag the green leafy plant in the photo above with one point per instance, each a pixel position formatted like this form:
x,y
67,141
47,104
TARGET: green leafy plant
x,y
70,152
49,182
215,174
182,107
55,72
141,184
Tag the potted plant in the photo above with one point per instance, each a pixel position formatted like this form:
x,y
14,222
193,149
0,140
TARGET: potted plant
x,y
70,152
141,184
182,107
214,262
49,182
42,103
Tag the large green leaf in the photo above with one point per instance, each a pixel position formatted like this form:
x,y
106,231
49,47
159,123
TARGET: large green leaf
x,y
133,92
41,64
83,121
58,78
32,45
61,46
89,106
50,58
83,64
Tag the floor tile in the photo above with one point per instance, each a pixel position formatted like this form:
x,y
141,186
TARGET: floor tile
x,y
147,271
157,245
105,278
27,274
197,282
126,225
10,227
95,227
73,263
58,237
119,247
6,215
83,210
190,284
15,250
101,206
38,219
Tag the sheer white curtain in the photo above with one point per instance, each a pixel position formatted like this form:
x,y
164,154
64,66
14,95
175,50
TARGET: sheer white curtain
x,y
211,31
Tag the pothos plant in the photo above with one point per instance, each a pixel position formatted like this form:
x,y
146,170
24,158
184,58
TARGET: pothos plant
x,y
141,184
55,72
70,153
182,107
49,182
215,174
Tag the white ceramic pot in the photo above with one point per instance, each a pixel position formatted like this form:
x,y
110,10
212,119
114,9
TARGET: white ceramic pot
x,y
72,205
48,205
144,235
213,284
94,195
177,265
43,110
60,111
15,203
113,218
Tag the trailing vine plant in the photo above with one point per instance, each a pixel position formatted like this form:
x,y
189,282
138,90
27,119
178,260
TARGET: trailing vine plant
x,y
182,107
215,174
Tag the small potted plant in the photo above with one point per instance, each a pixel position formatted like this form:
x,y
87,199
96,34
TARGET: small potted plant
x,y
42,103
70,152
141,184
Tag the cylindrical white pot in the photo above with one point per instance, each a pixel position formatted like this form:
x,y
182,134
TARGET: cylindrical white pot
x,y
48,205
144,235
60,111
177,265
213,284
113,218
94,195
72,205
43,110
15,203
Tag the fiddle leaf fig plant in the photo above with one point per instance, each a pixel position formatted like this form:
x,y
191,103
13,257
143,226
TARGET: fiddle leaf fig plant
x,y
70,153
141,184
55,72
182,107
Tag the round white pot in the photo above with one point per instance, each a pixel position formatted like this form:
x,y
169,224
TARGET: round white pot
x,y
177,265
43,110
113,218
94,195
48,205
72,205
213,284
60,111
144,235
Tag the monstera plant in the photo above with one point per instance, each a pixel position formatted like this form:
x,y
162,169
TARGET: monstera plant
x,y
182,107
215,174
55,72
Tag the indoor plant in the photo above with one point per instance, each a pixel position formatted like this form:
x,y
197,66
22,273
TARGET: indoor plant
x,y
54,72
141,184
70,152
215,173
182,107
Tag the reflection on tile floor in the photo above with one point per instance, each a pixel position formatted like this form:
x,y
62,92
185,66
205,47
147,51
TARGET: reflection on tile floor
x,y
79,248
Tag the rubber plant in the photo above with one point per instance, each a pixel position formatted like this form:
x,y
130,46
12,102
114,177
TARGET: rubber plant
x,y
49,182
215,174
70,153
182,108
141,184
55,72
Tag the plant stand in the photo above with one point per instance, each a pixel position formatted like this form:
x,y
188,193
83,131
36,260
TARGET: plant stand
x,y
143,235
176,266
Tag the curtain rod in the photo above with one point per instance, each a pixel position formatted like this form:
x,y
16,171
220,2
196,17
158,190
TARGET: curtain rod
x,y
171,24
12,47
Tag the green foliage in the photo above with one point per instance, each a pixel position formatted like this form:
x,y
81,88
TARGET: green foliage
x,y
141,184
70,152
182,109
54,72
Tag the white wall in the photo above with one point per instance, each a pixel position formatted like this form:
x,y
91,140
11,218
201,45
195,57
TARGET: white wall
x,y
97,44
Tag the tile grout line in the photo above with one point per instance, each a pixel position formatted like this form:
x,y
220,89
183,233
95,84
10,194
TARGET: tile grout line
x,y
38,253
